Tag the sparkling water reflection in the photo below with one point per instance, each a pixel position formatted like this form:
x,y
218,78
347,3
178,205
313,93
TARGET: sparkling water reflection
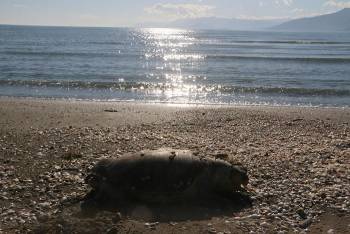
x,y
170,45
176,66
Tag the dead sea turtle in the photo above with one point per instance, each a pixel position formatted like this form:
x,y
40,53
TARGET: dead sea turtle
x,y
161,176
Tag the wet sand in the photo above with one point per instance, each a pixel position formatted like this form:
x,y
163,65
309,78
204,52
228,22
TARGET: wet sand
x,y
298,161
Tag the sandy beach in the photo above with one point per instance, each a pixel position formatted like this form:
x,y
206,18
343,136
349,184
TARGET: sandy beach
x,y
298,161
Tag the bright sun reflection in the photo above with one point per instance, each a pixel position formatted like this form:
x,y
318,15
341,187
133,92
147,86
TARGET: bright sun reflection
x,y
170,51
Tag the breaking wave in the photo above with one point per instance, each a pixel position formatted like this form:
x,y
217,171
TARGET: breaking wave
x,y
145,87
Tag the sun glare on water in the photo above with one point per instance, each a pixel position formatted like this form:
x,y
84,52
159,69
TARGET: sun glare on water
x,y
171,49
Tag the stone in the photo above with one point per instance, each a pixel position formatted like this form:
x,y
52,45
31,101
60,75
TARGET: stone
x,y
302,213
117,218
112,230
306,223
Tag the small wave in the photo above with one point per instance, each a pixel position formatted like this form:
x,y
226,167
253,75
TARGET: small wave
x,y
299,42
300,59
107,43
163,87
286,91
79,54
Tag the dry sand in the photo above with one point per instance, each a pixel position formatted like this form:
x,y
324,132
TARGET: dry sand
x,y
298,161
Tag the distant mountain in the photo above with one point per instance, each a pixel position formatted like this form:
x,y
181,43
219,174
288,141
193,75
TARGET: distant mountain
x,y
339,21
218,23
224,23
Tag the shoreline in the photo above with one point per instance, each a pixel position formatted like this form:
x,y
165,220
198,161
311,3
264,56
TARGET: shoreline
x,y
297,160
192,104
169,104
91,113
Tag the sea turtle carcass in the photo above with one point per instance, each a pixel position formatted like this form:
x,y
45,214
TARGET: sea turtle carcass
x,y
162,176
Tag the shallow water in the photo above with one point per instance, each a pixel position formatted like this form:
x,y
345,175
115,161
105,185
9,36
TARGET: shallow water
x,y
176,66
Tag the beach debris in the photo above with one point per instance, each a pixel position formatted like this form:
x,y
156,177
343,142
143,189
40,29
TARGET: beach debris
x,y
306,223
113,230
221,155
71,154
343,145
302,213
162,176
111,110
118,217
297,119
302,166
151,225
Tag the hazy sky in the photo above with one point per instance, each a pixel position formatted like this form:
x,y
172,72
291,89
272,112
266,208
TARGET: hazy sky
x,y
133,12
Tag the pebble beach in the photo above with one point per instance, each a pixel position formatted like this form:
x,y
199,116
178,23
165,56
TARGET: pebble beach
x,y
298,161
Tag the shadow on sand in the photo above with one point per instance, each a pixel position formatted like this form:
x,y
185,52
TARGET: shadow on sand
x,y
73,219
201,209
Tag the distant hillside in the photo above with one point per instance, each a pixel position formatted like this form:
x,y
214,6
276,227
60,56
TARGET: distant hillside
x,y
223,23
339,21
218,23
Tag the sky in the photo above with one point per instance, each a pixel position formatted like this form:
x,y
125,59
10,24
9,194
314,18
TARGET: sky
x,y
130,13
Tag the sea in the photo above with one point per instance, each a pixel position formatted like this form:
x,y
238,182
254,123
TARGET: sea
x,y
163,65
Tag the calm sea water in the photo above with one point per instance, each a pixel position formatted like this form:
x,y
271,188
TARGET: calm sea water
x,y
176,66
